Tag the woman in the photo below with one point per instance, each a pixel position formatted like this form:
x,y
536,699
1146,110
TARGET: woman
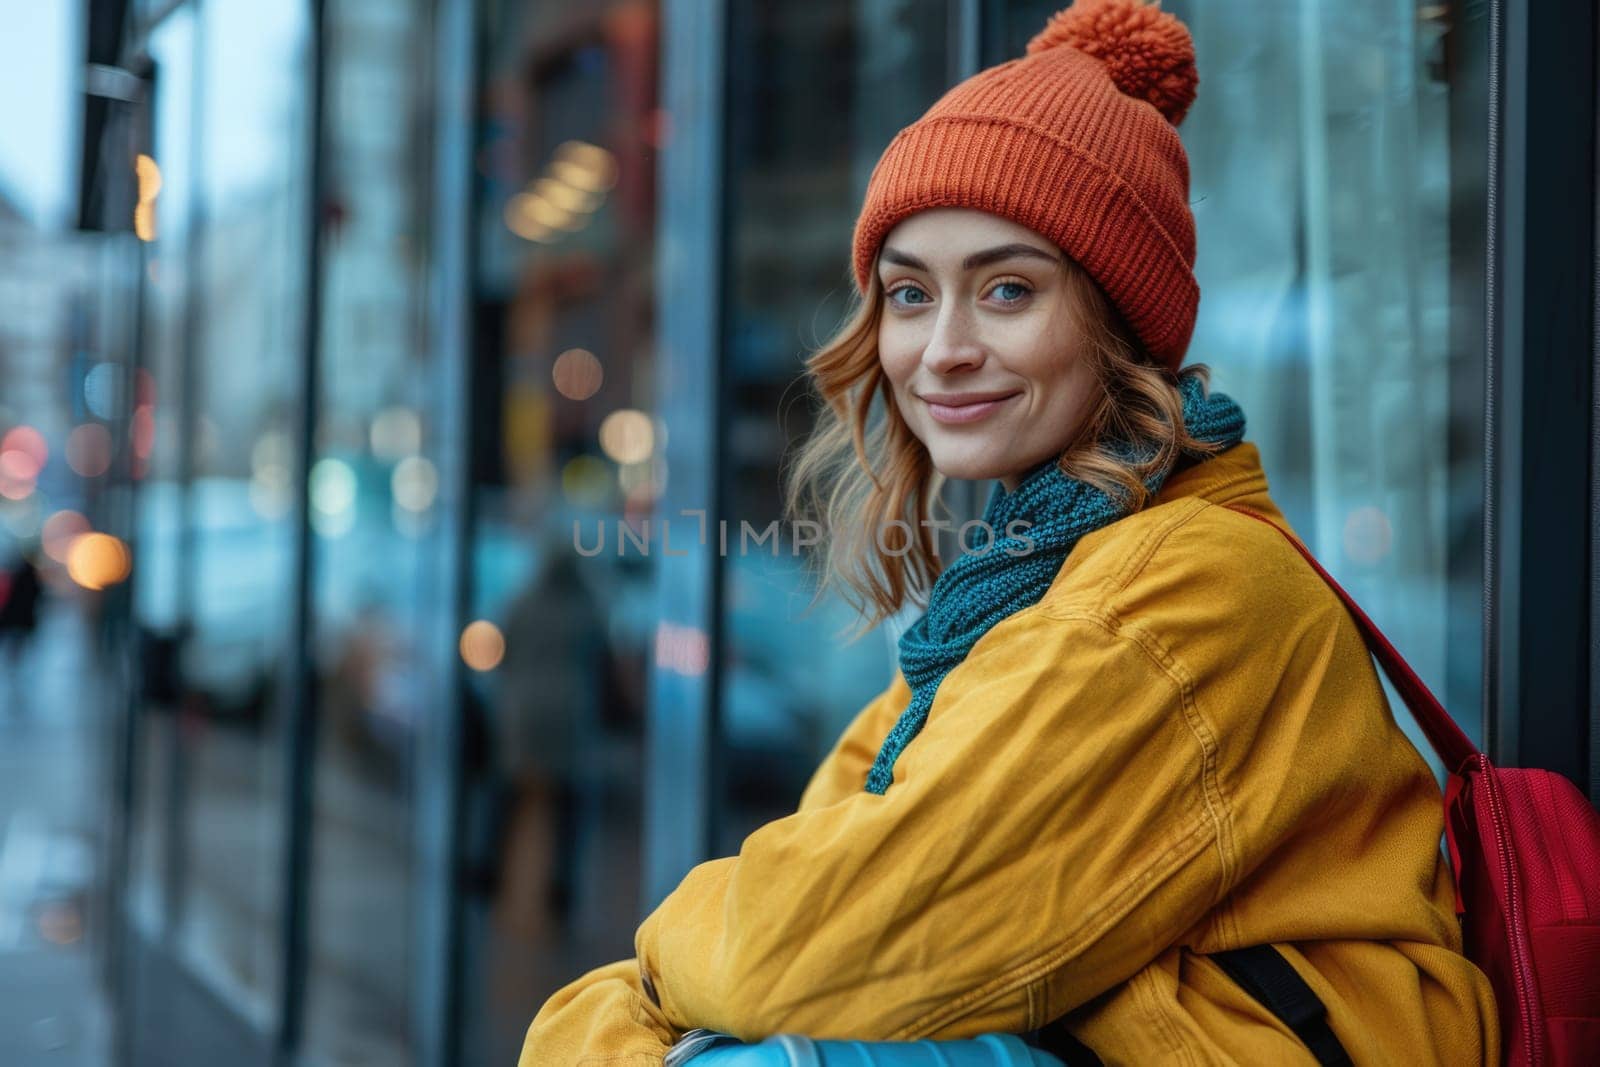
x,y
1136,730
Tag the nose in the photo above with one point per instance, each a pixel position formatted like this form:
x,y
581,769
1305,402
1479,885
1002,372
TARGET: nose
x,y
954,345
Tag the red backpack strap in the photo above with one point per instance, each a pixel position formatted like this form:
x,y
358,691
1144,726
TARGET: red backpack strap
x,y
1447,739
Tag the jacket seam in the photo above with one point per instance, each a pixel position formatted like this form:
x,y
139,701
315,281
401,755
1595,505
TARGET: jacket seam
x,y
1229,482
1205,735
1102,612
1134,562
1218,808
1143,985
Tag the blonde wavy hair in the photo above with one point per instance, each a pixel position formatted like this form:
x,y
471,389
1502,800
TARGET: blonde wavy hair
x,y
862,468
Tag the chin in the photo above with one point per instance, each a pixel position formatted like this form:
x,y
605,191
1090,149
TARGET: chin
x,y
966,467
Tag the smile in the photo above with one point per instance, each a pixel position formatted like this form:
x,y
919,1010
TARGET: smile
x,y
955,411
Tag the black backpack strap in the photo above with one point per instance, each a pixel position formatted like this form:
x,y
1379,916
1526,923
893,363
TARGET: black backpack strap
x,y
1271,979
1056,1040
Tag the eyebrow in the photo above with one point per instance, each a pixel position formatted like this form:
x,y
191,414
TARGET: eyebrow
x,y
977,259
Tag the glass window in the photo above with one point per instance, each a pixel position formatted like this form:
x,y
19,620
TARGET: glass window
x,y
817,91
1340,225
563,431
156,463
250,287
374,497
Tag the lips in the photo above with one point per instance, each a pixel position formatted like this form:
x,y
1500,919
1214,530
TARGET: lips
x,y
954,408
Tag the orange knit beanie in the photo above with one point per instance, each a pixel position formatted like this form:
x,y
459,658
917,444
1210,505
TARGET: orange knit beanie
x,y
1078,141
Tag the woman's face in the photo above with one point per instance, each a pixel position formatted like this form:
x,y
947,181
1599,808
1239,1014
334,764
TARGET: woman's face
x,y
979,343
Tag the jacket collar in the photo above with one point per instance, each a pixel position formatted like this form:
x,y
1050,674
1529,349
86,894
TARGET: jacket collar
x,y
1233,476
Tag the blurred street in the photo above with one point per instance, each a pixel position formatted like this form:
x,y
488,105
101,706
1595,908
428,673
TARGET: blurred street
x,y
51,1005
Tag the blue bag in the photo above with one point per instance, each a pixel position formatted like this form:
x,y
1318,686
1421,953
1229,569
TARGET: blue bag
x,y
707,1048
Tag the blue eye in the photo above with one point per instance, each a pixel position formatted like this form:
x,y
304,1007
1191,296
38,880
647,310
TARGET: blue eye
x,y
1022,291
894,292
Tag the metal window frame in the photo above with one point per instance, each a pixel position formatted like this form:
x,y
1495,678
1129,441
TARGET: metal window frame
x,y
681,717
437,802
1540,524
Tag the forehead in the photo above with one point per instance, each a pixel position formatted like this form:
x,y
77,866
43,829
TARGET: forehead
x,y
958,229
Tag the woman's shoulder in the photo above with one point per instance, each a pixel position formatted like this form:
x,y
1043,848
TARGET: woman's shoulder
x,y
1195,566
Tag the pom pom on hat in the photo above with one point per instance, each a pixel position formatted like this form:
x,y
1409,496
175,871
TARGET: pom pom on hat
x,y
1148,52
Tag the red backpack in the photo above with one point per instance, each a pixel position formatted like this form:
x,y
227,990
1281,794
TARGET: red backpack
x,y
1525,850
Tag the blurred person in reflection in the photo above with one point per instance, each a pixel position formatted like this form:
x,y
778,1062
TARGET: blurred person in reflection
x,y
1131,730
20,592
546,724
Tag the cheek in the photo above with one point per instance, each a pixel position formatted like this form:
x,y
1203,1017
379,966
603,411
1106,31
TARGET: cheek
x,y
897,358
1055,361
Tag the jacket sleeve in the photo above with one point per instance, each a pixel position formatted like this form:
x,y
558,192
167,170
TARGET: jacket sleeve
x,y
605,1017
607,1014
1047,834
844,770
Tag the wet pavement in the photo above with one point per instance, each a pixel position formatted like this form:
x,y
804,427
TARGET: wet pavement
x,y
54,737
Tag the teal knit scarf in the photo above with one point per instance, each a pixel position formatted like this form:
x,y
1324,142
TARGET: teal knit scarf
x,y
981,587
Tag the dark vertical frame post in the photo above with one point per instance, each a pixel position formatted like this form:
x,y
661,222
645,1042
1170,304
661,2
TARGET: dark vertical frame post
x,y
684,662
437,978
125,257
1540,384
1594,436
299,726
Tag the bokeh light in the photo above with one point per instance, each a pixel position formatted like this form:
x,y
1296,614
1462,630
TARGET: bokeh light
x,y
89,450
333,497
643,481
683,650
566,197
100,388
97,560
414,483
627,435
1368,535
23,453
482,645
577,374
523,225
585,166
148,175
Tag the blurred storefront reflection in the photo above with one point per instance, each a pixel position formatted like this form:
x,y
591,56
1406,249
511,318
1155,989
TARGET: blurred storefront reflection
x,y
241,397
562,390
373,498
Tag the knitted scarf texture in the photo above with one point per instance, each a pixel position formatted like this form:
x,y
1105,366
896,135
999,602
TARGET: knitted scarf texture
x,y
982,586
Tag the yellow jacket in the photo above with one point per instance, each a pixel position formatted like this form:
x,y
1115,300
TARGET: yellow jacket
x,y
1182,748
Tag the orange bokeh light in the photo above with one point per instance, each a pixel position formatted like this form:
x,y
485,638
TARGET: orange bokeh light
x,y
482,645
96,560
